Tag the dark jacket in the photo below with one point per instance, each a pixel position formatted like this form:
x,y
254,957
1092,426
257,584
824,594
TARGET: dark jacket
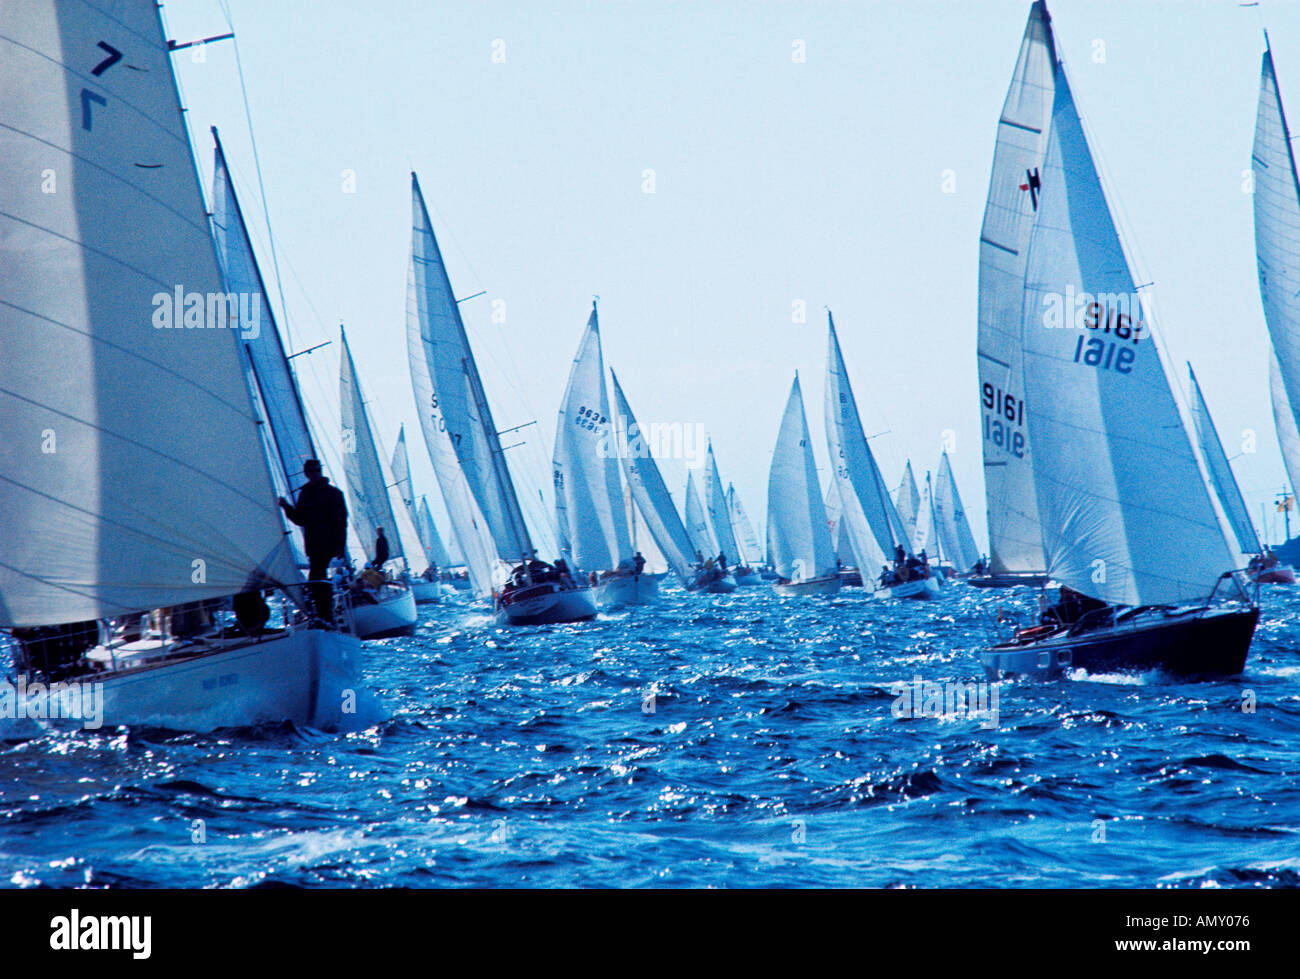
x,y
381,550
322,514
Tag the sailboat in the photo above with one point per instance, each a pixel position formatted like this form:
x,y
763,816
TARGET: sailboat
x,y
651,495
713,577
952,533
867,513
382,606
719,512
589,508
1128,522
118,506
1015,539
466,450
748,550
1277,252
907,500
798,533
416,530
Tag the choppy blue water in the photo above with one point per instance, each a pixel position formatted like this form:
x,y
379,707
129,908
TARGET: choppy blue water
x,y
772,757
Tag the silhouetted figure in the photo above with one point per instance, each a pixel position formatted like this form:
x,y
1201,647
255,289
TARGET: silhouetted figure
x,y
638,562
381,550
900,555
322,514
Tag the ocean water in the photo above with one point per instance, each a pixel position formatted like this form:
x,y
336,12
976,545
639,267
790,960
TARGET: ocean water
x,y
708,741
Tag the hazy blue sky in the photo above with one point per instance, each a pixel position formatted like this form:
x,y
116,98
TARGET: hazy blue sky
x,y
775,182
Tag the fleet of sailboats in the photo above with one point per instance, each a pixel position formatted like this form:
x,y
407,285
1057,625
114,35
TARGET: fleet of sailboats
x,y
1098,474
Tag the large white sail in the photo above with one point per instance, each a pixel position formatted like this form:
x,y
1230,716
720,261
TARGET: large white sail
x,y
1220,469
749,551
697,522
868,515
1126,512
369,504
1288,435
715,502
132,472
800,535
1277,227
951,525
650,492
588,494
1015,188
450,393
431,311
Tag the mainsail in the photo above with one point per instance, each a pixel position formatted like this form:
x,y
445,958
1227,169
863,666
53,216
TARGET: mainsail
x,y
749,551
697,524
1015,190
435,336
449,393
867,514
1126,512
113,314
951,526
650,492
589,508
800,538
1288,435
907,498
1221,477
719,512
369,504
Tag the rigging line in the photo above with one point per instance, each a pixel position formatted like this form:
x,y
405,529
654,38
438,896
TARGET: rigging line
x,y
257,164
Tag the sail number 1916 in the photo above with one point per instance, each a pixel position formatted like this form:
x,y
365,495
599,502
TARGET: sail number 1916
x,y
1113,345
1004,420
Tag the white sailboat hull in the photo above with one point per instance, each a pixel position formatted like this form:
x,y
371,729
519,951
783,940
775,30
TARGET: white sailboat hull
x,y
393,615
311,677
749,577
546,604
922,588
426,592
828,585
628,590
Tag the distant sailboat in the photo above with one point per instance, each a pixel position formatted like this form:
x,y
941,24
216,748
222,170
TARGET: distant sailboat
x,y
382,607
951,528
1015,537
117,504
749,550
466,449
719,511
414,533
907,499
652,497
703,542
1127,520
589,506
800,538
867,513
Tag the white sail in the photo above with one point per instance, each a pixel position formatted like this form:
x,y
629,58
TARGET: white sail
x,y
1126,512
650,492
369,504
868,514
951,526
1277,227
697,523
1220,469
433,546
415,545
450,393
1288,435
588,495
907,498
1015,536
431,311
801,539
715,503
749,551
132,472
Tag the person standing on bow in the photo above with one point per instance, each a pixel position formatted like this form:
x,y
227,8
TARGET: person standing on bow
x,y
322,513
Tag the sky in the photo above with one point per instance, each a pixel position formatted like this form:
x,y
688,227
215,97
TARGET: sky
x,y
719,174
